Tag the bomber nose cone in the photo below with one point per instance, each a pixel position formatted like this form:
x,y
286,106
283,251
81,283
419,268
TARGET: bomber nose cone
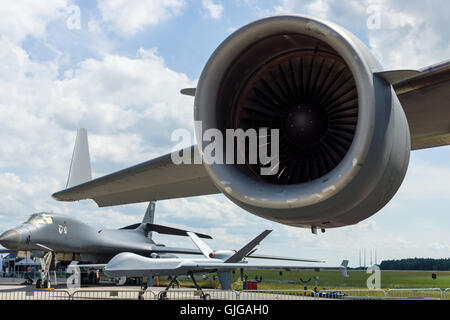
x,y
10,239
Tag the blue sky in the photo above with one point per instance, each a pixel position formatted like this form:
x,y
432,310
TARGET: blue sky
x,y
119,76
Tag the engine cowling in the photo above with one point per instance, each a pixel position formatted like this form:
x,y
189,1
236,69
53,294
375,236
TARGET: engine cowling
x,y
344,138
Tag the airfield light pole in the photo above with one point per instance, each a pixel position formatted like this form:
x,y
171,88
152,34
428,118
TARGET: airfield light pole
x,y
364,258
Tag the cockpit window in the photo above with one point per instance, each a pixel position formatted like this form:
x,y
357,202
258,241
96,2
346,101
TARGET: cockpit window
x,y
40,218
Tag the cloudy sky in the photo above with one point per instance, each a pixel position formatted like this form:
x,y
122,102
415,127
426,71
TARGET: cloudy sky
x,y
117,71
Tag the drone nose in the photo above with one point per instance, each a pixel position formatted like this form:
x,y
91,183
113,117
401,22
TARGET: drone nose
x,y
10,239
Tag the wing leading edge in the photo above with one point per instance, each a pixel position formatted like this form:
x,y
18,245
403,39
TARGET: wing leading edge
x,y
157,179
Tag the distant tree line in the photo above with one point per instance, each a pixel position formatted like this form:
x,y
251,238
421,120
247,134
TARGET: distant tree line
x,y
416,264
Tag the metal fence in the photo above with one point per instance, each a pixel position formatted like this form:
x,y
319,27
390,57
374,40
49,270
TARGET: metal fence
x,y
347,294
353,294
113,295
416,294
276,295
198,295
35,295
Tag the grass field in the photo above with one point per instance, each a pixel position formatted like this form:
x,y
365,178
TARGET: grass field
x,y
292,280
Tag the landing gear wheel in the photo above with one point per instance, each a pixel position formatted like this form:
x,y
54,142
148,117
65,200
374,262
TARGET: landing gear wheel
x,y
206,297
38,283
46,284
163,296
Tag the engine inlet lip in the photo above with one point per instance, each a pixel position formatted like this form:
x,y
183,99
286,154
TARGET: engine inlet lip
x,y
236,185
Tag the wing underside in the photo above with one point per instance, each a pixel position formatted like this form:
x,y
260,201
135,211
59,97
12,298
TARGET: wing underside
x,y
157,179
425,99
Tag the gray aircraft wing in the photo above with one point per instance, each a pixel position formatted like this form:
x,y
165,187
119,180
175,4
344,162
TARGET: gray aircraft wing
x,y
157,179
426,101
267,257
424,95
163,249
227,266
99,266
164,230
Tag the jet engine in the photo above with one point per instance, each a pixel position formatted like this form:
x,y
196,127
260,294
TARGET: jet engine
x,y
344,140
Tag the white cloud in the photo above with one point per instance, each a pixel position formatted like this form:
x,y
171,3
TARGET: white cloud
x,y
129,89
426,181
319,8
215,210
122,101
214,10
18,19
127,17
412,34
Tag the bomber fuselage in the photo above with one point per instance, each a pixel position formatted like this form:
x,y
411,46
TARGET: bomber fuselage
x,y
71,239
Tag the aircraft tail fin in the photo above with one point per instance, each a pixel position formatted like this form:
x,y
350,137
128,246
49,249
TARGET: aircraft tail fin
x,y
204,248
238,256
149,216
80,167
343,268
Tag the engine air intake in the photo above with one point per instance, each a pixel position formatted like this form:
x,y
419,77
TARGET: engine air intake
x,y
311,97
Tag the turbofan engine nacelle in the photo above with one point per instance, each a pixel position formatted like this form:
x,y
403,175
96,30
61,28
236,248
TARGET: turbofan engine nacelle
x,y
344,140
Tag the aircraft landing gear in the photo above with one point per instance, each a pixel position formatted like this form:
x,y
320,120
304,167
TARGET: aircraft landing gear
x,y
28,280
142,292
46,263
43,284
203,295
163,294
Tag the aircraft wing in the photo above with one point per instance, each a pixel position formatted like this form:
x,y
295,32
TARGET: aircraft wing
x,y
424,95
229,266
164,230
265,257
426,101
157,179
161,249
198,267
99,266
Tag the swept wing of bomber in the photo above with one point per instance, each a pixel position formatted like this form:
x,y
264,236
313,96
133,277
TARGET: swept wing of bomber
x,y
346,127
